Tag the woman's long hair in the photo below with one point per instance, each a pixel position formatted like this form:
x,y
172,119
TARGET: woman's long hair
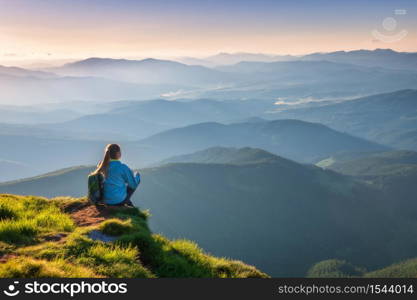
x,y
110,152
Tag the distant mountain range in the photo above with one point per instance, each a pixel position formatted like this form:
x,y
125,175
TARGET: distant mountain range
x,y
133,120
139,119
224,58
47,148
324,75
297,140
31,115
66,89
389,119
252,76
147,71
260,208
20,72
385,58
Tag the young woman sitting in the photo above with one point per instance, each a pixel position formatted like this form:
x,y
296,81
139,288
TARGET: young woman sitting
x,y
119,180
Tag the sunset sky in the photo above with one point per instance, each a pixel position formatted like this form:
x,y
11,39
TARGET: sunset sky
x,y
39,30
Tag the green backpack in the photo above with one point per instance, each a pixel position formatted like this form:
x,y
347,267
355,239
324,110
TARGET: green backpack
x,y
95,188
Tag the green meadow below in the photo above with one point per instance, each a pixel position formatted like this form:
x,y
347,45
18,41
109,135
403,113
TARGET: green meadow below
x,y
68,237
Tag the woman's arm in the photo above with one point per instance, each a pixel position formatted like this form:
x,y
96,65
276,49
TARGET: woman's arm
x,y
132,180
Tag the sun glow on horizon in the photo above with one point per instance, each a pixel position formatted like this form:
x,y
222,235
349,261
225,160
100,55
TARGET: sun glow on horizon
x,y
36,31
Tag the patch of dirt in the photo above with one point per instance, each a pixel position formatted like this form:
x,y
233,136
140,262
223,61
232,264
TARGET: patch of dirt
x,y
90,215
6,257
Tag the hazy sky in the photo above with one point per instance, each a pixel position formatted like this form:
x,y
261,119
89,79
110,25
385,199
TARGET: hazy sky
x,y
56,29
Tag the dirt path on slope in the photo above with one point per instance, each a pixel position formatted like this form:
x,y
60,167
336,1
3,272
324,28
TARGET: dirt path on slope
x,y
83,215
90,215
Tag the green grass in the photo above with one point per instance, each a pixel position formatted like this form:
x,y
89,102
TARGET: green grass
x,y
27,267
115,261
45,250
6,212
23,219
18,232
136,252
116,227
5,248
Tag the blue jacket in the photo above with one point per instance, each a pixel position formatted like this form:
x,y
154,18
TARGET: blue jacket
x,y
119,177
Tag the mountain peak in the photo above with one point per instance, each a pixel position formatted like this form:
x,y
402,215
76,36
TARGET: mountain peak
x,y
99,61
386,50
226,155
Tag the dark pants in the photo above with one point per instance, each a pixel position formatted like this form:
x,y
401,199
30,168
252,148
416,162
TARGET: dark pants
x,y
127,201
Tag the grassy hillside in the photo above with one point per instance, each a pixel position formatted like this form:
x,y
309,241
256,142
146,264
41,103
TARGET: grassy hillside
x,y
67,237
262,212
